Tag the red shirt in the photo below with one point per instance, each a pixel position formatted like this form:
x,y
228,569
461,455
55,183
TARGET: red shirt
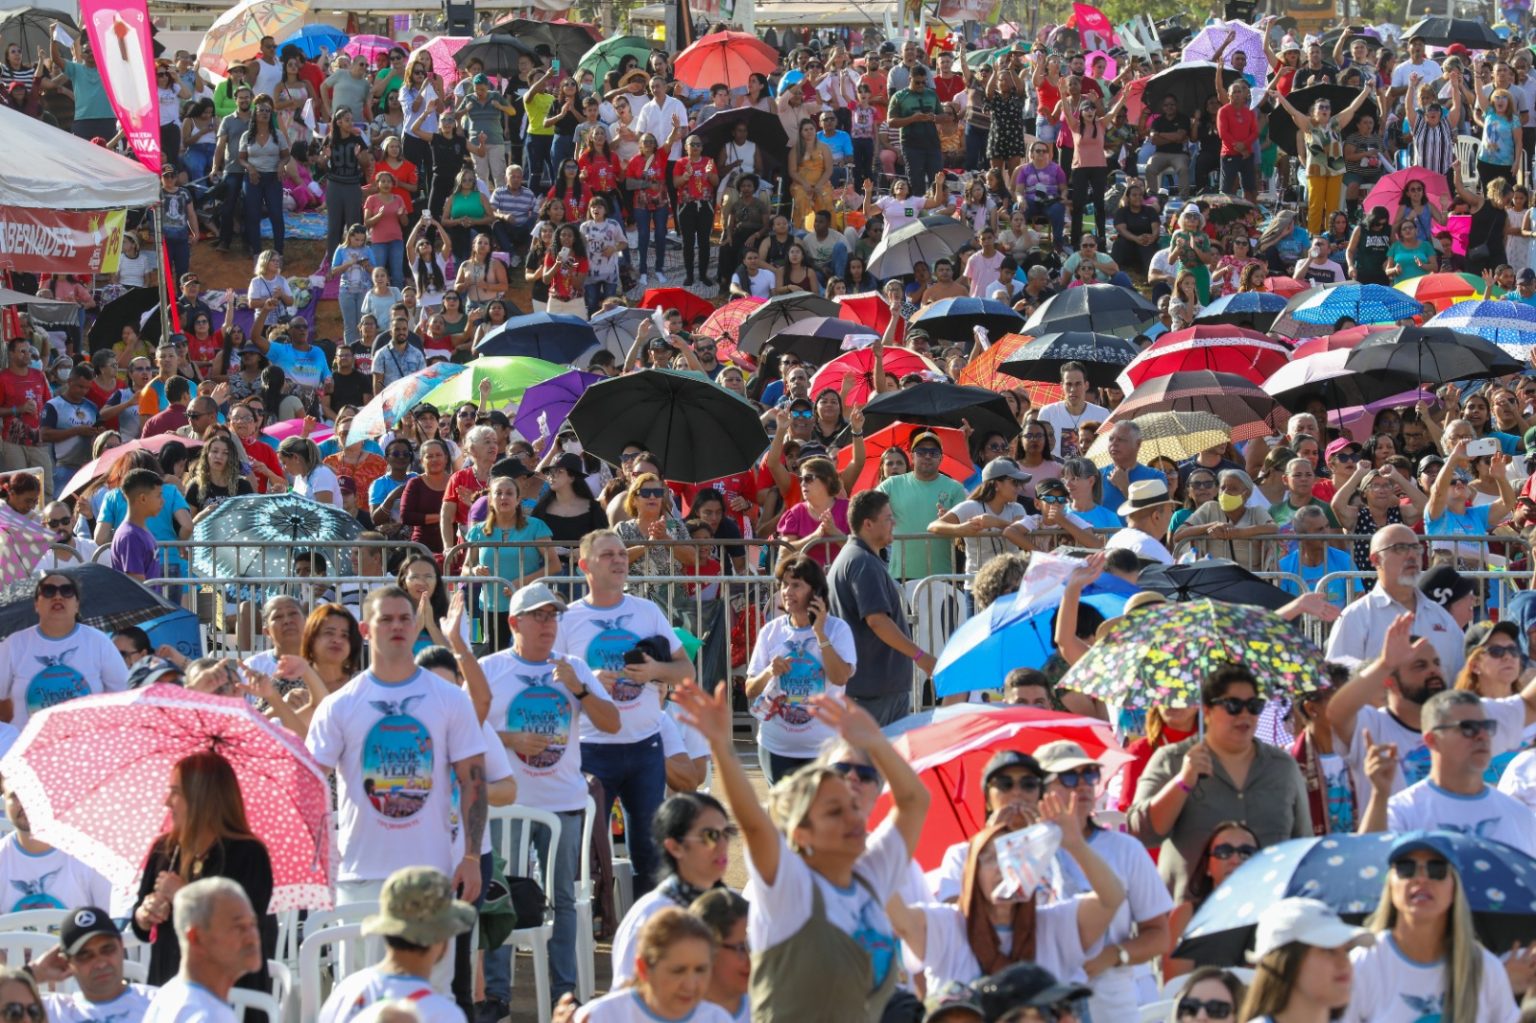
x,y
600,174
692,177
1237,125
575,205
405,174
563,284
741,484
257,451
463,488
203,350
16,389
948,86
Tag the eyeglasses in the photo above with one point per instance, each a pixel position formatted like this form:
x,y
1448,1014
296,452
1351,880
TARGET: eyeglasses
x,y
1087,776
542,614
1226,850
653,491
1471,728
1002,445
1232,705
1005,783
56,591
928,452
859,772
1435,870
715,836
13,1012
742,949
1189,1008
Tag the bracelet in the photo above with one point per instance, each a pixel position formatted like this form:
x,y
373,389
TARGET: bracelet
x,y
1184,785
921,653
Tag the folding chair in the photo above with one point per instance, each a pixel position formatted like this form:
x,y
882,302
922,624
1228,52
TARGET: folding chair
x,y
522,861
1466,155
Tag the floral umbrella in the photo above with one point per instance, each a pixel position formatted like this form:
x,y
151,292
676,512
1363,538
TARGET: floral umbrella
x,y
23,542
390,405
236,35
1159,656
441,49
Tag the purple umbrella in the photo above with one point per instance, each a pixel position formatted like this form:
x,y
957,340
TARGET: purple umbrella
x,y
545,405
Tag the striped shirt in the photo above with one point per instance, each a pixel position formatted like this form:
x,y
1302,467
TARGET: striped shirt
x,y
1433,147
519,205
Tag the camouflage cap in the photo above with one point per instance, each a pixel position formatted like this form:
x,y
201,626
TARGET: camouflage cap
x,y
417,905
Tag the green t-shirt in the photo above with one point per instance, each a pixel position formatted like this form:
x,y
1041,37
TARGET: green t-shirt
x,y
392,83
1282,512
536,105
923,133
915,504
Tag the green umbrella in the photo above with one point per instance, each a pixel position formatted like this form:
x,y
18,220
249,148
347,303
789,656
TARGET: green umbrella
x,y
510,376
606,55
978,58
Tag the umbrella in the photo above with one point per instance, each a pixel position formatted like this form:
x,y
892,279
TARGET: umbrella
x,y
390,405
1474,35
684,301
553,337
616,330
1286,287
1102,356
1389,190
1191,83
1327,375
902,249
762,127
1363,303
605,56
950,753
1173,435
110,601
94,773
441,49
1236,401
98,467
860,365
567,41
368,47
1253,309
1216,578
1510,325
1432,355
130,309
1283,130
955,319
498,53
1224,210
32,27
935,404
1246,39
315,40
776,314
258,535
985,370
724,324
1443,290
1347,872
1346,338
817,339
868,309
672,414
955,462
237,33
958,233
1105,308
509,375
1245,353
729,57
1160,655
544,406
23,543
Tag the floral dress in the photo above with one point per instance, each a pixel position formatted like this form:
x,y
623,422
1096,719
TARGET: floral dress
x,y
1006,140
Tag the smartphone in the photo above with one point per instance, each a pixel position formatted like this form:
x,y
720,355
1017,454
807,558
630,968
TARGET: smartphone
x,y
1484,447
554,65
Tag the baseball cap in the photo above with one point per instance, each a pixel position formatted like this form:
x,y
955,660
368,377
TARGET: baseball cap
x,y
918,438
998,468
1063,755
1005,759
1526,275
1429,460
801,402
417,905
1024,985
1480,633
1444,585
1341,444
1308,921
1457,50
534,595
82,925
347,485
952,1003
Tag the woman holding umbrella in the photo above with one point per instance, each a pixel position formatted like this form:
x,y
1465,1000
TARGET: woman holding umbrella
x,y
1322,152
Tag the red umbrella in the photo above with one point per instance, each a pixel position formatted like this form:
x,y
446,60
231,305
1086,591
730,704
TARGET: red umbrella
x,y
949,748
686,302
1289,287
1346,338
99,467
860,365
1389,190
728,57
1220,347
871,310
956,463
1235,400
723,325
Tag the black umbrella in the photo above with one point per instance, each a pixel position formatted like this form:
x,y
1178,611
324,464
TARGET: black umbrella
x,y
1103,357
1283,130
497,52
569,42
763,128
134,308
31,28
776,315
1256,310
1222,210
1105,308
109,600
1432,355
1216,578
1474,35
936,404
699,431
817,339
956,319
553,337
1191,83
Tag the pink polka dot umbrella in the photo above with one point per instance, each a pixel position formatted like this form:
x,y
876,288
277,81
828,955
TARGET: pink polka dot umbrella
x,y
93,774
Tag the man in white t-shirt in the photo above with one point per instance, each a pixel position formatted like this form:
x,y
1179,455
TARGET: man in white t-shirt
x,y
1454,797
1066,415
220,943
539,700
1418,63
35,875
664,116
753,280
418,919
90,952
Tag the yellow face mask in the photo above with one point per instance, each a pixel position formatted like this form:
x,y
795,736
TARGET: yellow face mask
x,y
1230,502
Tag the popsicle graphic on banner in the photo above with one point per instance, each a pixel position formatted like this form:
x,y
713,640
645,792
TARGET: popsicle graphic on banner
x,y
119,34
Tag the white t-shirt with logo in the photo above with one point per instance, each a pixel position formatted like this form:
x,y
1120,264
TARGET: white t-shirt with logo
x,y
1389,988
393,745
182,1001
128,1007
1412,754
601,636
1117,991
1489,814
50,880
37,672
793,731
626,1006
1064,425
526,697
899,212
362,989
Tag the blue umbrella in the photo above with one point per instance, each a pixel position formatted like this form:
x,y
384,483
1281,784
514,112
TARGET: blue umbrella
x,y
552,337
313,39
1508,324
1363,303
952,319
1014,632
1348,872
1256,309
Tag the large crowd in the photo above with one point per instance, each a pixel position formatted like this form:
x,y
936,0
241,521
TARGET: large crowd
x,y
522,615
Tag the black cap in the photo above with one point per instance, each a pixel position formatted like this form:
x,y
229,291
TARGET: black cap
x,y
1004,759
511,469
571,465
1023,985
82,925
1429,460
498,418
808,403
1444,585
1480,633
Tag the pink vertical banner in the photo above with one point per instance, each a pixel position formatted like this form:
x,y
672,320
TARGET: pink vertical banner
x,y
1086,18
119,34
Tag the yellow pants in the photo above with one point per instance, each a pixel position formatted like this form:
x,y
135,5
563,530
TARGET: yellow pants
x,y
1323,192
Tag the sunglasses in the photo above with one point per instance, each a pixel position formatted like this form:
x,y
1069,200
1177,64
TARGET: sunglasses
x,y
860,772
653,491
1473,728
1347,456
1054,498
1501,651
1004,783
714,836
629,456
1232,705
13,1012
58,523
1088,776
55,591
1189,1008
928,452
802,414
1226,850
1435,870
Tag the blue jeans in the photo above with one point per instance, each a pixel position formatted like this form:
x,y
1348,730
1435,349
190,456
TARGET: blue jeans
x,y
1055,212
232,187
264,197
178,244
651,227
923,165
391,256
596,291
635,773
562,946
563,148
540,174
975,148
351,303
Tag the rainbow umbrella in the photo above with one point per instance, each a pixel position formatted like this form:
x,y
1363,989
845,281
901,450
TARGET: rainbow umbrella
x,y
236,35
390,405
1446,289
509,376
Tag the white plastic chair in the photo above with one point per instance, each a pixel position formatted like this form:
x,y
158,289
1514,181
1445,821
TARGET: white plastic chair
x,y
49,921
244,1001
350,956
586,941
135,973
523,861
18,948
1466,154
311,952
1156,1012
282,983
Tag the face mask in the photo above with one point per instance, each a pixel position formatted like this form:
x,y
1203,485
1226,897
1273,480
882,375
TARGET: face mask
x,y
1230,502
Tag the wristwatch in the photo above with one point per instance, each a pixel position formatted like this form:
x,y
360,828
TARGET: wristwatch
x,y
1122,957
581,695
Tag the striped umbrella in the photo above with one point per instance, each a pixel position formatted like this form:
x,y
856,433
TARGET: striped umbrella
x,y
1221,349
1173,435
1510,325
1445,289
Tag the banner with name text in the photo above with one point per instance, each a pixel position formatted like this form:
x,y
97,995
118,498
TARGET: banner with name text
x,y
119,34
61,241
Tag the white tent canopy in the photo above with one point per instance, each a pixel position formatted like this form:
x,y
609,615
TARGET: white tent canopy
x,y
41,166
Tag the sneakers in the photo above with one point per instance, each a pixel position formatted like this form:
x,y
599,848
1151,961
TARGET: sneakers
x,y
492,1010
645,280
